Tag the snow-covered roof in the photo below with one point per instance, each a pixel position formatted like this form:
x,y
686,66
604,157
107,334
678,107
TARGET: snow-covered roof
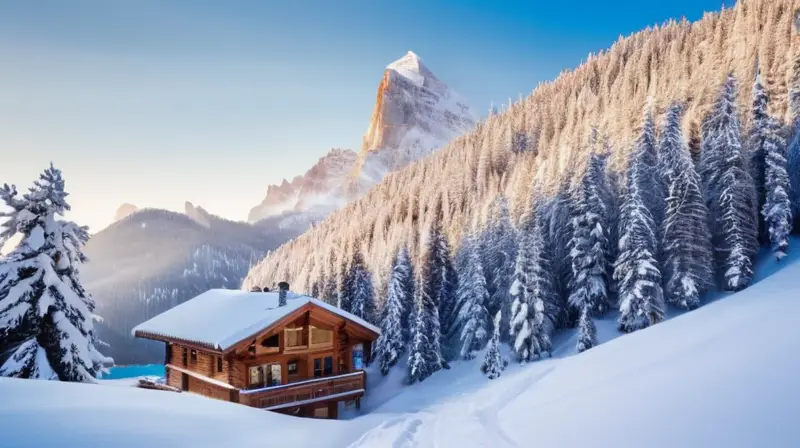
x,y
221,318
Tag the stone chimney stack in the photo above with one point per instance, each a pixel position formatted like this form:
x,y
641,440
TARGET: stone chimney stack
x,y
283,289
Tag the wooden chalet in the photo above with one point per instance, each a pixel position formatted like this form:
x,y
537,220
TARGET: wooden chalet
x,y
276,351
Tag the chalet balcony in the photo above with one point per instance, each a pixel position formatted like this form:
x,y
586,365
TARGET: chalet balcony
x,y
338,387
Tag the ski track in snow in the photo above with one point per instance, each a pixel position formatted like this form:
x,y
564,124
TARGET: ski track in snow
x,y
422,428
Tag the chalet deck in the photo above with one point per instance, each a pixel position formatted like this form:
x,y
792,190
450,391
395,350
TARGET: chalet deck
x,y
295,355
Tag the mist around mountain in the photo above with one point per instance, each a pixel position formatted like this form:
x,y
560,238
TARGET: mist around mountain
x,y
155,259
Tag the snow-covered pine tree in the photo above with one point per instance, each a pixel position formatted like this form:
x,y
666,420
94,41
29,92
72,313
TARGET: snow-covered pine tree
x,y
329,293
418,366
46,328
473,319
777,210
499,255
449,283
430,284
686,243
589,243
392,342
756,140
793,168
557,215
493,363
587,332
532,311
650,183
362,298
637,272
729,192
403,271
344,291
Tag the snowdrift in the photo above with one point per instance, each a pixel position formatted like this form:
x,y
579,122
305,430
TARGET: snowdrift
x,y
723,375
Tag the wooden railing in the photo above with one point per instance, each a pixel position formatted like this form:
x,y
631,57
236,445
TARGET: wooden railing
x,y
304,392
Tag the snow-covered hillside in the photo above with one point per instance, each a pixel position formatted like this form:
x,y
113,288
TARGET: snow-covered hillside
x,y
723,375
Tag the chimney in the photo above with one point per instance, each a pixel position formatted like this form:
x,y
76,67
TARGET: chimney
x,y
283,288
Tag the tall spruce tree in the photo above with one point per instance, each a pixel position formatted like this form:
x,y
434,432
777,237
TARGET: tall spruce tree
x,y
637,272
418,366
473,319
46,328
499,255
493,362
729,192
587,332
686,239
362,298
392,342
534,306
793,150
793,168
430,288
557,215
589,244
756,140
448,301
345,279
329,291
405,278
650,183
777,210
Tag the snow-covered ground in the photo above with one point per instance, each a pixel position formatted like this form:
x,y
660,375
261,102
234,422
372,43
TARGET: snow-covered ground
x,y
723,375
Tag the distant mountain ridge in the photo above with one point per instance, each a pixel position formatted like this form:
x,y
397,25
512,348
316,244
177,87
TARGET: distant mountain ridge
x,y
155,259
415,114
320,186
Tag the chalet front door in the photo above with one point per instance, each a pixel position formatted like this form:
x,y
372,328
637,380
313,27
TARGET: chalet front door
x,y
184,382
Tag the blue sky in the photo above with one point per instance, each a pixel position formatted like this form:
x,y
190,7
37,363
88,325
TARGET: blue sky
x,y
160,102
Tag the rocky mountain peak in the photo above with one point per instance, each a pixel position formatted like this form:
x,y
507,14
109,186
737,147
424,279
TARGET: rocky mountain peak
x,y
415,113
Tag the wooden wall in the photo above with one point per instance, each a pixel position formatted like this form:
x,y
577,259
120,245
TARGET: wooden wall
x,y
205,365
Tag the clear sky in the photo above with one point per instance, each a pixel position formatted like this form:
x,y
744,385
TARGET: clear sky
x,y
160,102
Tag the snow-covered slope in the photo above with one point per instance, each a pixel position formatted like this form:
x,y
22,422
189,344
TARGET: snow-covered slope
x,y
723,375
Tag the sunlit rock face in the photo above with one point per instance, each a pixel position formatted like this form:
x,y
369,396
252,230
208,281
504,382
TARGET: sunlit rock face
x,y
415,114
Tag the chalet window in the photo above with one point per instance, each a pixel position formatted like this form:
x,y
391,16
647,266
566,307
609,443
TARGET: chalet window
x,y
274,375
317,367
294,337
321,336
291,368
219,364
194,356
358,356
185,356
271,342
265,375
328,367
255,376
